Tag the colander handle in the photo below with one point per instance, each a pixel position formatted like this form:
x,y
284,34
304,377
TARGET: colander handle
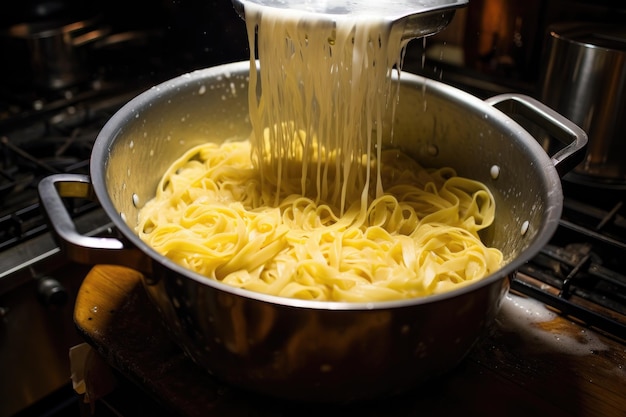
x,y
559,127
77,247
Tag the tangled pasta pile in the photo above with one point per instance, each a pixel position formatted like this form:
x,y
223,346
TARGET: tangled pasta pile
x,y
212,215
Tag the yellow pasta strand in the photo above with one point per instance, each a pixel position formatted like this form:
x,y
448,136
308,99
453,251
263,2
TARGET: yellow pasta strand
x,y
420,237
312,207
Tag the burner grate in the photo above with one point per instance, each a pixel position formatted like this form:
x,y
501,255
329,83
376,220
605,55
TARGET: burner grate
x,y
60,142
580,273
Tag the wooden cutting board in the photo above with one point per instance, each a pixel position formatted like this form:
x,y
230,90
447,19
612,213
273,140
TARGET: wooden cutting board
x,y
513,371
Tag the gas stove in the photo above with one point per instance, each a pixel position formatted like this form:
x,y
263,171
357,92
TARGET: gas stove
x,y
44,130
51,134
579,275
70,66
581,272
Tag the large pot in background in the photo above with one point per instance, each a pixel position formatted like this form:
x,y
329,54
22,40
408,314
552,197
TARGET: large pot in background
x,y
584,79
308,350
55,50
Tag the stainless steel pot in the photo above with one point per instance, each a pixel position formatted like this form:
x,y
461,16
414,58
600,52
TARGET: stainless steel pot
x,y
55,50
584,79
307,350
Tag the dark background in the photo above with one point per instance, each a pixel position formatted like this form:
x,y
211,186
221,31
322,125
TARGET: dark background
x,y
181,35
194,34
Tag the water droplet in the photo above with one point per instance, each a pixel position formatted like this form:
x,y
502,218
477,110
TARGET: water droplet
x,y
495,172
525,227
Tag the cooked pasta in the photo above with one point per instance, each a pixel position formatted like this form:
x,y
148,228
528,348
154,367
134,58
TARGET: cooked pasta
x,y
210,214
330,84
311,206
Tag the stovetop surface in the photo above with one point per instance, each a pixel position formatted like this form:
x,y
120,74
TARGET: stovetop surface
x,y
580,274
581,271
531,361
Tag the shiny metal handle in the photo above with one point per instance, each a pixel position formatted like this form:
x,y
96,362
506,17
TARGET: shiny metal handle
x,y
558,126
77,247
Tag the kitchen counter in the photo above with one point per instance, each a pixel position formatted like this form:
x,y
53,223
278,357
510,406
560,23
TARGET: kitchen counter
x,y
531,362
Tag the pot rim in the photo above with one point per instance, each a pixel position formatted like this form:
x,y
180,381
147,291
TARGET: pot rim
x,y
609,37
108,134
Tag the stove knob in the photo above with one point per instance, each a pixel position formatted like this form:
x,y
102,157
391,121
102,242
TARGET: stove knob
x,y
52,292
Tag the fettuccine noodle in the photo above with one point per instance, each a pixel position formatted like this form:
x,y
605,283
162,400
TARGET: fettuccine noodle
x,y
211,215
311,206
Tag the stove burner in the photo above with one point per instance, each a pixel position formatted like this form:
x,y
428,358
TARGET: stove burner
x,y
58,141
581,272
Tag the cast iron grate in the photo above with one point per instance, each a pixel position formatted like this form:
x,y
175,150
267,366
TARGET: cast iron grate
x,y
581,272
60,141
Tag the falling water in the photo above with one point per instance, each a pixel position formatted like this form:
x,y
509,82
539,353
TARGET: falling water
x,y
423,66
